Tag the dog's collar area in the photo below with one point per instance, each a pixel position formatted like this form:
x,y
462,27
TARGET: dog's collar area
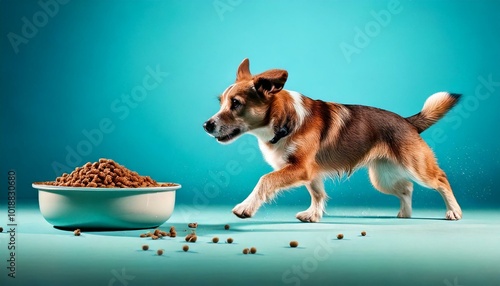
x,y
278,135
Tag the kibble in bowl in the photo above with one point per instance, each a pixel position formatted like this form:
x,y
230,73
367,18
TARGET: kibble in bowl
x,y
105,195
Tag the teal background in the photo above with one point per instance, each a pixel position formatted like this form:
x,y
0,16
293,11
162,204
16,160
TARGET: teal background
x,y
68,76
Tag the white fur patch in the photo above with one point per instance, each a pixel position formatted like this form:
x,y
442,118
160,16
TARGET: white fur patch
x,y
435,100
299,106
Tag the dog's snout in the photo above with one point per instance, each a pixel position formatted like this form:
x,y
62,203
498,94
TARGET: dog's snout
x,y
209,126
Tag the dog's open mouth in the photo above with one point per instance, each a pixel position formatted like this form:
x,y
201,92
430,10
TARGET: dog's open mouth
x,y
230,136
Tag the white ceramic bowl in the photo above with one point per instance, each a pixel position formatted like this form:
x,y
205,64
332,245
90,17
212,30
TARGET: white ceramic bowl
x,y
106,208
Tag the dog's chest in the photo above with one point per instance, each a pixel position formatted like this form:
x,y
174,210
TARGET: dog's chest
x,y
275,155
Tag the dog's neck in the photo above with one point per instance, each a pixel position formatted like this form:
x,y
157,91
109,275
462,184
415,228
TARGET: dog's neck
x,y
287,114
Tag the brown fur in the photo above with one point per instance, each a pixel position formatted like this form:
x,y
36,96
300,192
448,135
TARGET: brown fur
x,y
306,139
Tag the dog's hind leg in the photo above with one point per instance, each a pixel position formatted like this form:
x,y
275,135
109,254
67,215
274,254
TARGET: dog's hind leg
x,y
425,171
391,178
315,211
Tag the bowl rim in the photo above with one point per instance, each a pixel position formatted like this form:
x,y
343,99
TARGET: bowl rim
x,y
42,187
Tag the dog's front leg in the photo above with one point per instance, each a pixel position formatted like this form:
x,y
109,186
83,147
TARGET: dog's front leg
x,y
269,185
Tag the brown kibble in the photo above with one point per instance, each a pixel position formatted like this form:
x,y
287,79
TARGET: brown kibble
x,y
185,248
173,233
154,237
363,233
226,227
159,252
229,240
245,251
1,229
191,237
253,250
193,225
164,233
143,235
294,243
77,232
157,232
340,236
215,239
104,174
145,247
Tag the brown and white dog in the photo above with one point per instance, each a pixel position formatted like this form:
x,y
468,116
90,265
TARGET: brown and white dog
x,y
305,140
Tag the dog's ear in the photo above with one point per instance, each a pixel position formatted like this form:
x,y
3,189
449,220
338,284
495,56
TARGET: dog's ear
x,y
243,72
271,81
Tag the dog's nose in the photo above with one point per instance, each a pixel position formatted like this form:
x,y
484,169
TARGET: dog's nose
x,y
209,126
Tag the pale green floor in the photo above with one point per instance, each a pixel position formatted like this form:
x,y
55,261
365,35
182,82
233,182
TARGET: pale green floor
x,y
425,250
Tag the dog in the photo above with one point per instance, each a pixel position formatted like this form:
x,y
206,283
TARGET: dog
x,y
306,140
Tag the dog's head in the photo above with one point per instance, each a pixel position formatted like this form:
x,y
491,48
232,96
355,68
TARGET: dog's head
x,y
244,105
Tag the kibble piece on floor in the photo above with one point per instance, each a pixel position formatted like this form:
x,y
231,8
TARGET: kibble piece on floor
x,y
173,232
164,233
226,227
159,252
145,247
253,250
191,237
193,224
363,233
340,236
1,229
185,248
157,232
229,240
245,251
154,237
143,235
77,232
215,239
294,243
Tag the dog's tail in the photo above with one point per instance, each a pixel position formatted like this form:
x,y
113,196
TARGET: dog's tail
x,y
435,107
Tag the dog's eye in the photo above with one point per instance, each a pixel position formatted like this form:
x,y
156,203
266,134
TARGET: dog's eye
x,y
235,103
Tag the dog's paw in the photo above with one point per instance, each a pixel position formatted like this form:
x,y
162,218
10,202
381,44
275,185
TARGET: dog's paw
x,y
244,210
309,216
453,214
404,214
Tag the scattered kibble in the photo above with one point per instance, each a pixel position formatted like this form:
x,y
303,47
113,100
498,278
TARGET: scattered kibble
x,y
340,236
294,243
164,233
226,227
185,248
1,229
77,232
215,239
173,232
191,237
363,233
193,225
143,235
245,250
154,237
229,240
157,232
159,252
145,247
253,250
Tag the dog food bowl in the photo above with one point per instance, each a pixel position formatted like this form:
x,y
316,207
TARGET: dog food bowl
x,y
106,208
